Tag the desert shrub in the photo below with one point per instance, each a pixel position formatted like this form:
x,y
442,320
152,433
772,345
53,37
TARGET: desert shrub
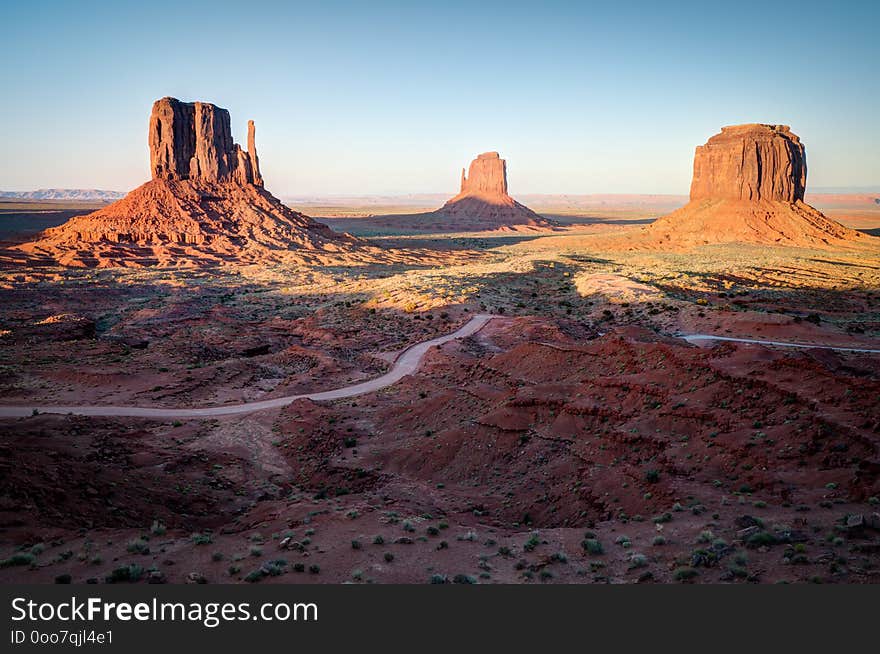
x,y
254,576
19,558
761,538
138,546
638,561
592,546
274,568
127,573
464,579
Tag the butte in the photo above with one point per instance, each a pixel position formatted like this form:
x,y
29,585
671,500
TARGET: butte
x,y
748,186
483,202
204,205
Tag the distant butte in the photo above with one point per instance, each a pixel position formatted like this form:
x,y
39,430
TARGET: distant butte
x,y
748,186
483,201
204,205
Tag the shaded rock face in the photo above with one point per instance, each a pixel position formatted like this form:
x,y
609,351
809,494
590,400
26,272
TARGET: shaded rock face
x,y
487,175
751,162
193,140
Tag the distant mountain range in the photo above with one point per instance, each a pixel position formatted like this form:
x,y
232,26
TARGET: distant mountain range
x,y
62,194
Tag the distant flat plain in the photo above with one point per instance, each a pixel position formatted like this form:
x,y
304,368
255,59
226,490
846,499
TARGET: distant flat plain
x,y
21,219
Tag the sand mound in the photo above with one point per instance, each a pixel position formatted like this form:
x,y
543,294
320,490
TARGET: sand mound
x,y
795,224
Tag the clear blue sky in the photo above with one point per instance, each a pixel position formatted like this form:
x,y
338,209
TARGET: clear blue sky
x,y
376,97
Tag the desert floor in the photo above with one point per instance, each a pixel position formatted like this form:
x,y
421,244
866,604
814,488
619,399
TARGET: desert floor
x,y
575,438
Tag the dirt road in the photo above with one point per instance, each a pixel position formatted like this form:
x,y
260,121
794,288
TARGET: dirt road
x,y
405,364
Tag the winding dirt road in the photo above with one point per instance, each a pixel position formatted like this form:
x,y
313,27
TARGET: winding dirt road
x,y
405,364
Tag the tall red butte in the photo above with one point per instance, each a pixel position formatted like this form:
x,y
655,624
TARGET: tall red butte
x,y
748,186
204,205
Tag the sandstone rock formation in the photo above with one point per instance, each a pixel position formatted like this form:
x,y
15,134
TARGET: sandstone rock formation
x,y
205,204
193,140
751,162
486,176
748,186
483,202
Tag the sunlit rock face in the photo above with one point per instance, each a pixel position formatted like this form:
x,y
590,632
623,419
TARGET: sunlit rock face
x,y
486,176
193,140
751,162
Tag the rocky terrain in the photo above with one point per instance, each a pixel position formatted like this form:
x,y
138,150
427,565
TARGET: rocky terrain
x,y
575,439
581,436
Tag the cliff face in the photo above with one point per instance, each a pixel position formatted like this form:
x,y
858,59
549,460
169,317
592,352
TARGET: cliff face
x,y
487,175
193,140
751,162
